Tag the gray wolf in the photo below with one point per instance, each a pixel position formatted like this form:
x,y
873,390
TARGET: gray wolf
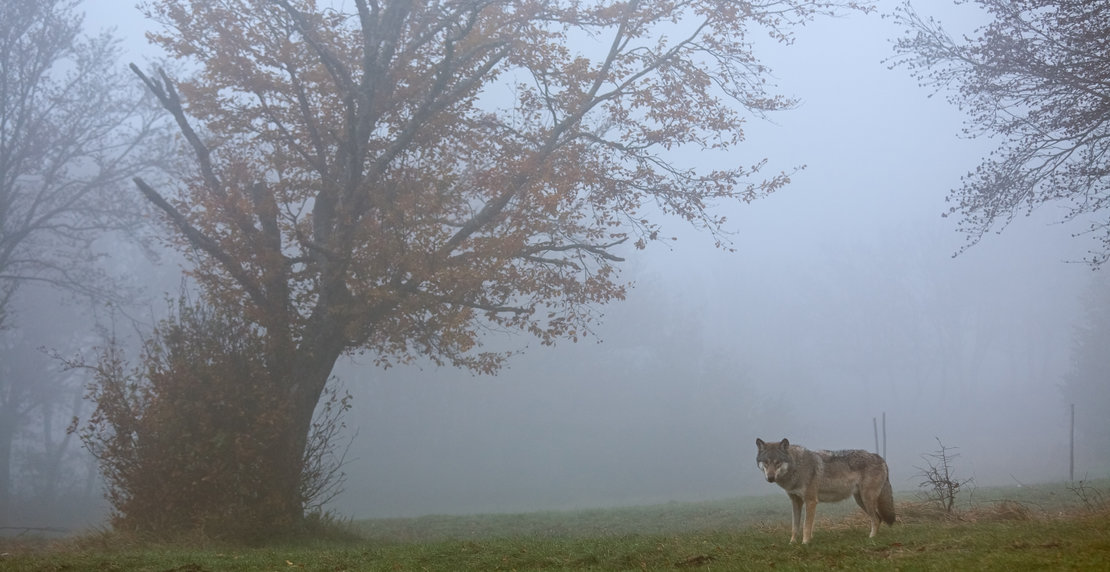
x,y
827,476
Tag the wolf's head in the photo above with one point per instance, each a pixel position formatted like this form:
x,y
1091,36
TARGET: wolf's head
x,y
773,458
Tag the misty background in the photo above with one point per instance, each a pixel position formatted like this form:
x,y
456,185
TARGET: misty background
x,y
842,301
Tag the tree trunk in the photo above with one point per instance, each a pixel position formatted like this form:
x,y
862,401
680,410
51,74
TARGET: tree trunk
x,y
310,370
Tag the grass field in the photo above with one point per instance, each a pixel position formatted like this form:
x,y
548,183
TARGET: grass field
x,y
1047,527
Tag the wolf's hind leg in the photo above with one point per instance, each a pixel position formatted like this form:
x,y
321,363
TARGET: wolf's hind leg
x,y
871,507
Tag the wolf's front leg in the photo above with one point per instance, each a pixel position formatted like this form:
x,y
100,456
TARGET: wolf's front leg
x,y
796,520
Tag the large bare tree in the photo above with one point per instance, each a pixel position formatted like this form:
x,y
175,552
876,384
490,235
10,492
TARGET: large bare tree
x,y
400,177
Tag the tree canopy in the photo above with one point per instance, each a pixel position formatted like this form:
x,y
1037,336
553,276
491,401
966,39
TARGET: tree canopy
x,y
1035,79
408,170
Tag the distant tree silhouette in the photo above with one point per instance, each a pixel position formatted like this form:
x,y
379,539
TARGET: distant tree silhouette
x,y
1087,383
73,131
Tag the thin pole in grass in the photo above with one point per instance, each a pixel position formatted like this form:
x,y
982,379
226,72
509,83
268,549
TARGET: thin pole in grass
x,y
884,434
1071,447
875,425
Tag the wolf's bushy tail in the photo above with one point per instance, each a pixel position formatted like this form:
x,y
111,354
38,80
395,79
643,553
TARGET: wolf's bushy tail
x,y
886,503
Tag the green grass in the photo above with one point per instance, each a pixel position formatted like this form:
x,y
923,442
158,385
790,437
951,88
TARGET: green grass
x,y
1028,528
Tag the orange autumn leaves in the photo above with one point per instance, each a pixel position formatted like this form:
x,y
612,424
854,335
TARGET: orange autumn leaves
x,y
410,173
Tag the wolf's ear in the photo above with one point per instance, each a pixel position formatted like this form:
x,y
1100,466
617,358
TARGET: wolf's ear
x,y
759,443
784,443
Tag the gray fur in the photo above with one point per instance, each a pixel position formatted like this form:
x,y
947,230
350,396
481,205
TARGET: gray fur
x,y
809,477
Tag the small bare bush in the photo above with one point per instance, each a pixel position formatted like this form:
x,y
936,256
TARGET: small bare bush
x,y
1091,497
940,484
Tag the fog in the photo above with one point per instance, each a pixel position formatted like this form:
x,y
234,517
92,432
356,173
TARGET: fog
x,y
843,301
802,334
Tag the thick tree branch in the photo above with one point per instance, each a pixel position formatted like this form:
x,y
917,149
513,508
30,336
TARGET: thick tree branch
x,y
209,246
171,101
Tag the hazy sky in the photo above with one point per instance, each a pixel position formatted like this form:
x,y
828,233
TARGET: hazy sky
x,y
843,301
